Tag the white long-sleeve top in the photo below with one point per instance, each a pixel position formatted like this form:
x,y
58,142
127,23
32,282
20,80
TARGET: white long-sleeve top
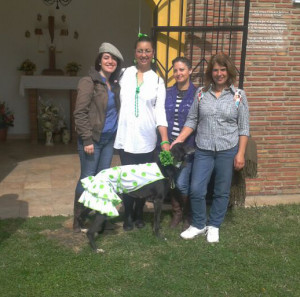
x,y
137,135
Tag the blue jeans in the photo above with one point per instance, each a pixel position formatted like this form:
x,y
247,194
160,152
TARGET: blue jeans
x,y
204,163
184,178
99,160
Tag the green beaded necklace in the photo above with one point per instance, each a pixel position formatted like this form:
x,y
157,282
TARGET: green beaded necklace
x,y
136,101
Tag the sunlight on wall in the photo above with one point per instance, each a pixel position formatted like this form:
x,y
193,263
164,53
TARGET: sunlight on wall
x,y
174,37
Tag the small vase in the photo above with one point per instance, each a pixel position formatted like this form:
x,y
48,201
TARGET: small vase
x,y
3,134
66,136
28,72
49,138
56,137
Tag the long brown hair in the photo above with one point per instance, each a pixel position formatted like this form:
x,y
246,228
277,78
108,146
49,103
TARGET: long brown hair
x,y
223,60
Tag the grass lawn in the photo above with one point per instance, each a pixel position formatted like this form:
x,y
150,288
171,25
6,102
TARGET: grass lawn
x,y
258,255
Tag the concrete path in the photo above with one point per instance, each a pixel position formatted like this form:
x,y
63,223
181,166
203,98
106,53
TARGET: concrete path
x,y
36,180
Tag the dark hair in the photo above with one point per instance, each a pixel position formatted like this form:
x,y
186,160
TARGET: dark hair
x,y
115,75
144,38
184,60
223,60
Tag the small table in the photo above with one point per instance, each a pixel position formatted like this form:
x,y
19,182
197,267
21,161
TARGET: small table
x,y
33,83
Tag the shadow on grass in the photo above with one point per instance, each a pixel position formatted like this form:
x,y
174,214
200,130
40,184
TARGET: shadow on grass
x,y
65,237
12,207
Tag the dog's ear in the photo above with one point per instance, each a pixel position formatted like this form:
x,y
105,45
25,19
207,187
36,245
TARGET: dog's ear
x,y
178,152
181,152
189,150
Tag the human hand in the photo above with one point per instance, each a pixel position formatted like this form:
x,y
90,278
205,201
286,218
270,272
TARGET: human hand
x,y
89,149
165,147
239,162
175,141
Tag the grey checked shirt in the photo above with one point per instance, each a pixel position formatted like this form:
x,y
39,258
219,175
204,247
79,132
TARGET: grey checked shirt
x,y
220,121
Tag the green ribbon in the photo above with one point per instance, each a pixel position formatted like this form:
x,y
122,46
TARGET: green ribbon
x,y
136,99
142,35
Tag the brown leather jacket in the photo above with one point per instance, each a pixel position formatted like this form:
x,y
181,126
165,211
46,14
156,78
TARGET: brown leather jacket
x,y
91,104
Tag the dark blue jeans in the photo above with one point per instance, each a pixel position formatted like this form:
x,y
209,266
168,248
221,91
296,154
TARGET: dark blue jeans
x,y
204,163
99,160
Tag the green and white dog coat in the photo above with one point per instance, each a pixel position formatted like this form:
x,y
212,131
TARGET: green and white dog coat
x,y
100,191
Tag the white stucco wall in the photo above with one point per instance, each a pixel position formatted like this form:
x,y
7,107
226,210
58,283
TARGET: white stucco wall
x,y
114,21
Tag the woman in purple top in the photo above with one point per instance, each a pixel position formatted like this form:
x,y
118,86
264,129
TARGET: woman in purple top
x,y
178,102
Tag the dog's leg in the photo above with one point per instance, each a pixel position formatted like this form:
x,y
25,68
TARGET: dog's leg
x,y
78,209
96,227
85,212
139,212
157,213
128,202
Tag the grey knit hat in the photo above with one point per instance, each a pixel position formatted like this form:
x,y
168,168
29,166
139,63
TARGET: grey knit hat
x,y
106,47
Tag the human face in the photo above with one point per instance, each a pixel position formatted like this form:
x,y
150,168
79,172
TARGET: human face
x,y
181,73
144,54
220,75
108,64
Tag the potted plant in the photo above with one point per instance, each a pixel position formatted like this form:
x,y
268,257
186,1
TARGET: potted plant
x,y
50,119
28,67
6,120
72,68
58,130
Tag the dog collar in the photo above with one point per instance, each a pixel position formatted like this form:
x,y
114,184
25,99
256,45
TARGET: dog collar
x,y
177,164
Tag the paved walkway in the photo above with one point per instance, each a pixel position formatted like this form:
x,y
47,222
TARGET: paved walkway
x,y
36,180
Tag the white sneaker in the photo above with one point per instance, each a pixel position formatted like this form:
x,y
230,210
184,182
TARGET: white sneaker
x,y
212,234
191,232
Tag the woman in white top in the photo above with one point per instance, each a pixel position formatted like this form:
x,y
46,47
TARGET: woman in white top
x,y
142,112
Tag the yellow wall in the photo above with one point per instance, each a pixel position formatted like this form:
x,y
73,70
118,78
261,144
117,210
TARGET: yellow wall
x,y
162,39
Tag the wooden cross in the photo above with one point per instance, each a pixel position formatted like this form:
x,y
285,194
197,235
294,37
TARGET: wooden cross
x,y
52,51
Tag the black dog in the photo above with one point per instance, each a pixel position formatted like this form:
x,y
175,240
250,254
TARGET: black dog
x,y
154,192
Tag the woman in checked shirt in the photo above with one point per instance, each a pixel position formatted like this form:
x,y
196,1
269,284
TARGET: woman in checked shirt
x,y
220,117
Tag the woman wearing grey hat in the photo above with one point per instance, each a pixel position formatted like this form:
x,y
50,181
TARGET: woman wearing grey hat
x,y
96,119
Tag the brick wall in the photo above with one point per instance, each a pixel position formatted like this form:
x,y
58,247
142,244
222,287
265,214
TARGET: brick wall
x,y
201,45
272,83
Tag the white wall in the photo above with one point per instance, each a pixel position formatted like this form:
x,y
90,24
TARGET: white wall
x,y
96,21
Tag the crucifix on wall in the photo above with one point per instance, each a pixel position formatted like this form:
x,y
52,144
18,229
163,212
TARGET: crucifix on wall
x,y
52,35
52,51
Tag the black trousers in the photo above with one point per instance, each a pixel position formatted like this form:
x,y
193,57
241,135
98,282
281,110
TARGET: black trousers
x,y
133,207
134,159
